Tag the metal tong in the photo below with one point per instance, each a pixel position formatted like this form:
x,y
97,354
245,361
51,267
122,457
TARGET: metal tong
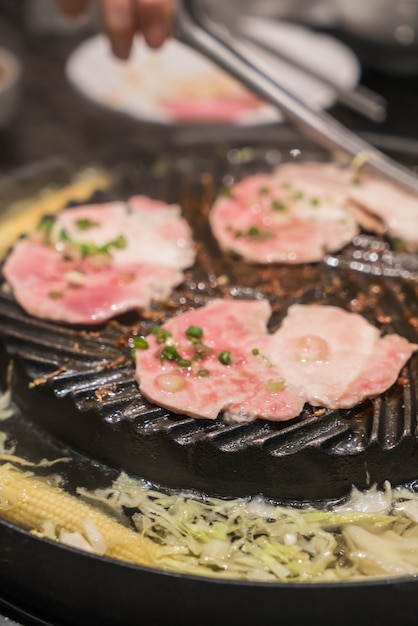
x,y
359,99
198,29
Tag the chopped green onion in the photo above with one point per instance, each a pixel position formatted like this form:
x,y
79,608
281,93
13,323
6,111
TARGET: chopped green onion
x,y
255,233
226,192
170,353
55,295
279,205
161,334
194,333
139,343
183,362
225,357
119,243
64,236
201,351
85,223
398,244
89,249
298,195
46,225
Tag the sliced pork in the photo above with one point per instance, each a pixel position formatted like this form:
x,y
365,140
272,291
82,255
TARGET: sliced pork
x,y
376,204
339,357
154,232
283,217
320,355
223,370
303,210
317,178
49,286
97,261
396,209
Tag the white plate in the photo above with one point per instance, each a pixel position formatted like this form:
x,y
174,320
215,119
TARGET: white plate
x,y
176,85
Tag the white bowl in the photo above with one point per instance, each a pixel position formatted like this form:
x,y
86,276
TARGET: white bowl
x,y
10,75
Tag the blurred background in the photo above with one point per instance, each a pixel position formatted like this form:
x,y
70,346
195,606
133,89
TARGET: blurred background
x,y
44,112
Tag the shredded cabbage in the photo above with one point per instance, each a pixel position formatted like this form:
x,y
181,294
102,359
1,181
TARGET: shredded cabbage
x,y
373,534
6,410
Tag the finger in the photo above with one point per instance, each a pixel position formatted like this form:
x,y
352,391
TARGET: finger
x,y
155,20
73,8
119,22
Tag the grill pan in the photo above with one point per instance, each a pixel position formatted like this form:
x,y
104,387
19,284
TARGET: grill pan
x,y
93,405
89,408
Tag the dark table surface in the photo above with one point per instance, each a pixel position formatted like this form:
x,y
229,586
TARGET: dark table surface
x,y
52,119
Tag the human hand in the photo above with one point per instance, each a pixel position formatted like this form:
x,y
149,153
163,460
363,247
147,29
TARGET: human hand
x,y
123,19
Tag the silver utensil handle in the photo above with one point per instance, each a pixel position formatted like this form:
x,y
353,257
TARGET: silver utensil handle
x,y
196,28
360,99
364,101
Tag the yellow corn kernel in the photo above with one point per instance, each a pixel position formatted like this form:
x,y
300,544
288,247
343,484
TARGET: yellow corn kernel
x,y
30,502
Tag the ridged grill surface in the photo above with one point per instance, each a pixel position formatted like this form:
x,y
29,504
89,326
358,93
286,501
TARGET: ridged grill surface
x,y
85,393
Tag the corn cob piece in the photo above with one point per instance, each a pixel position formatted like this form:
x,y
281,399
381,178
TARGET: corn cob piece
x,y
30,502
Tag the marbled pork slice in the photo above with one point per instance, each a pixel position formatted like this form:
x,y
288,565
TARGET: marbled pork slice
x,y
97,261
50,287
226,371
338,357
325,179
277,219
368,196
155,232
394,207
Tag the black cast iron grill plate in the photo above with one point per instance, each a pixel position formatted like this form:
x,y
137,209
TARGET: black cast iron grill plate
x,y
85,394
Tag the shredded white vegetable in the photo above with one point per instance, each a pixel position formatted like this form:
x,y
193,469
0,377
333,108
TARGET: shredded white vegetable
x,y
373,534
6,410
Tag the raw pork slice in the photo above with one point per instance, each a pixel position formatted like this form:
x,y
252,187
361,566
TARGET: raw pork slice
x,y
322,179
155,232
338,357
377,205
395,208
283,218
320,355
245,388
94,262
48,286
